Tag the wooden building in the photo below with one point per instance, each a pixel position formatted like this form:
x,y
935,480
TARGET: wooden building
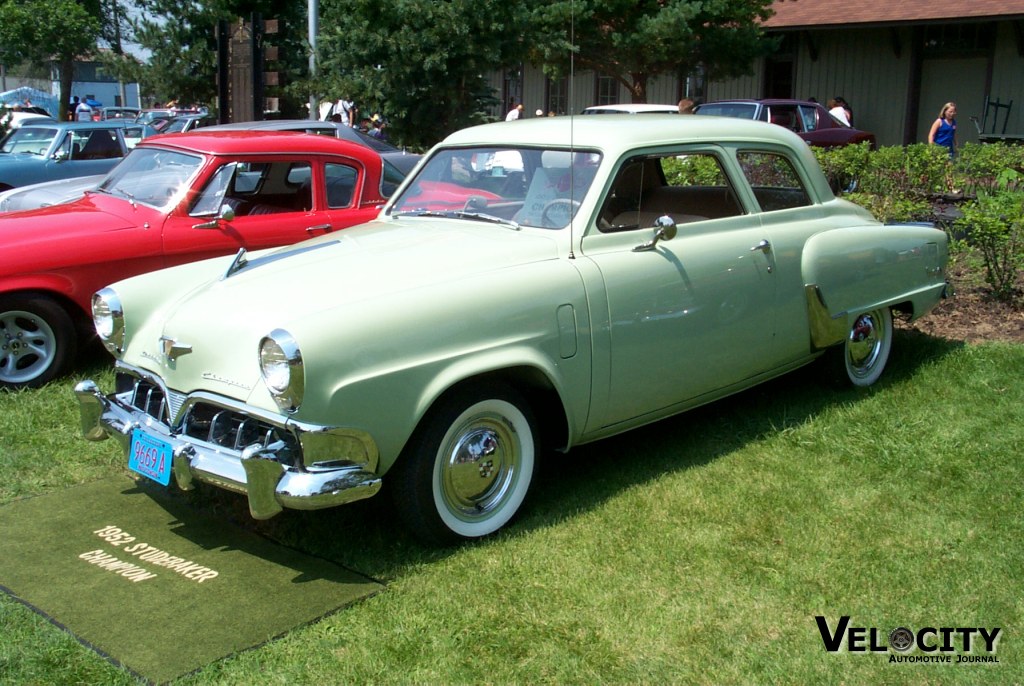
x,y
896,63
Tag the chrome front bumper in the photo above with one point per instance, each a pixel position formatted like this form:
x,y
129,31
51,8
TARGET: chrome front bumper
x,y
260,472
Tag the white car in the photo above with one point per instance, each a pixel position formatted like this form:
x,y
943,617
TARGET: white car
x,y
632,108
47,193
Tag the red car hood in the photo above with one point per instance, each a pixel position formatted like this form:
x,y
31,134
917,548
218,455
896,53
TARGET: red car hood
x,y
88,216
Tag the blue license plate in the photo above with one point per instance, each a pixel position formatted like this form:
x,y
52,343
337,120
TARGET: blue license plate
x,y
150,457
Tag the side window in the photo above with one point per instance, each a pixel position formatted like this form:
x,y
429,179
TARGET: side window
x,y
257,188
98,144
809,118
687,187
209,202
341,183
775,183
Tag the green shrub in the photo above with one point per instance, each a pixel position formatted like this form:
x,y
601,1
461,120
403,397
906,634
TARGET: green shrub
x,y
914,170
692,170
994,226
977,167
892,208
843,166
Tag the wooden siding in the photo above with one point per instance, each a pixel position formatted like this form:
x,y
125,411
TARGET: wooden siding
x,y
1008,77
871,67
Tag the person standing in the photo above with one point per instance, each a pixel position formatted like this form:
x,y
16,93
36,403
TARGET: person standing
x,y
83,112
515,113
836,109
943,131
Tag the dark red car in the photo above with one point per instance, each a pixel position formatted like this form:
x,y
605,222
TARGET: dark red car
x,y
810,120
173,199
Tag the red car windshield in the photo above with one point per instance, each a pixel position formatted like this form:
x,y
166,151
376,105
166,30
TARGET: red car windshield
x,y
521,186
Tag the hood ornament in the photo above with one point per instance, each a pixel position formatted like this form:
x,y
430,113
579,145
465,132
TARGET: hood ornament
x,y
173,349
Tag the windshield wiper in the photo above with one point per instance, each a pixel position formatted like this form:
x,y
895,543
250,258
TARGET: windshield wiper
x,y
120,191
460,214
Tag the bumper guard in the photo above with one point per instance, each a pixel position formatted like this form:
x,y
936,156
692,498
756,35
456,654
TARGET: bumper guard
x,y
258,471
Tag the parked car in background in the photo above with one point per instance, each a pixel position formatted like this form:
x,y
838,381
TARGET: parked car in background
x,y
809,120
15,117
632,108
184,123
50,151
619,275
129,113
173,199
47,193
398,163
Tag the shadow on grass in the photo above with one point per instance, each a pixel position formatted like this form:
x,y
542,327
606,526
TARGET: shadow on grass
x,y
366,536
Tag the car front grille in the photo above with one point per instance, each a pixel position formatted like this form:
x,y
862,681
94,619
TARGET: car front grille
x,y
205,421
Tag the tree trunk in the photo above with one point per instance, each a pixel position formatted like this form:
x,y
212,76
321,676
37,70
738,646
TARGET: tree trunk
x,y
67,78
638,87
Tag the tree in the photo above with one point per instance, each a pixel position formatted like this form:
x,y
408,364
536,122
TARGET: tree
x,y
41,31
421,63
635,40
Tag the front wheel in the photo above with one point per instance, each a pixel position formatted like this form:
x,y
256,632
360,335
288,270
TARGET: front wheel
x,y
862,357
37,341
468,467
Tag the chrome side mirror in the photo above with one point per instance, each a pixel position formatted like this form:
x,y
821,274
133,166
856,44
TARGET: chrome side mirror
x,y
227,214
666,231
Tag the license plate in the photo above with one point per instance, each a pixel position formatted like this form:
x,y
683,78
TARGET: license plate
x,y
150,457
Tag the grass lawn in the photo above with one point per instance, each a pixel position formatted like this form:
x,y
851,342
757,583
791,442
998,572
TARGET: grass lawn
x,y
696,550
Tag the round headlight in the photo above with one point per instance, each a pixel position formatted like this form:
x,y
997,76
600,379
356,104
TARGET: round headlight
x,y
282,370
108,317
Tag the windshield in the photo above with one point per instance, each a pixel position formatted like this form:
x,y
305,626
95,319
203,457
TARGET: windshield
x,y
152,176
31,139
740,110
530,187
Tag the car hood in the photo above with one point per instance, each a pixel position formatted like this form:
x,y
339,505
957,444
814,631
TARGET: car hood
x,y
70,221
352,282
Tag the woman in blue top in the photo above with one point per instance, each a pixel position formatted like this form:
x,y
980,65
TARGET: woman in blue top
x,y
943,131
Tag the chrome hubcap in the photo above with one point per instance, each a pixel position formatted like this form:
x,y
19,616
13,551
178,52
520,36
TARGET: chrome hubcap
x,y
27,346
480,465
864,343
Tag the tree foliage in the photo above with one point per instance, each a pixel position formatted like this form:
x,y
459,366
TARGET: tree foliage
x,y
422,63
41,31
636,40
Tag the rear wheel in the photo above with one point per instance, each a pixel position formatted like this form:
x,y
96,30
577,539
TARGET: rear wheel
x,y
37,341
862,357
468,467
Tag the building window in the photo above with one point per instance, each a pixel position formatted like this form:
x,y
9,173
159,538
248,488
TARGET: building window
x,y
558,95
949,40
607,90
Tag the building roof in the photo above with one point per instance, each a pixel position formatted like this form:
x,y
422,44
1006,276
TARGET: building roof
x,y
793,14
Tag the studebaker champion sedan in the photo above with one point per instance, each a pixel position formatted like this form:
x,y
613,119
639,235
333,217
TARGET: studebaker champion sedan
x,y
537,284
173,199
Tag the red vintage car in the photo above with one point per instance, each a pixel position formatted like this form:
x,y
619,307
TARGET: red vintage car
x,y
173,199
810,120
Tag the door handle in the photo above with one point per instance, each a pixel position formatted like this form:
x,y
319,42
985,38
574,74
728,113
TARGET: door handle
x,y
766,247
326,228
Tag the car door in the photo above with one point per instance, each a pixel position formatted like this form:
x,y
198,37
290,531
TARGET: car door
x,y
271,204
84,152
685,316
348,196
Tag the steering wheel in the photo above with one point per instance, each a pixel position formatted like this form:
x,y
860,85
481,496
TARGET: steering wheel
x,y
557,208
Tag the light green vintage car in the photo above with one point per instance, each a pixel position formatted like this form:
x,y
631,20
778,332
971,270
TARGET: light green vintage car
x,y
533,285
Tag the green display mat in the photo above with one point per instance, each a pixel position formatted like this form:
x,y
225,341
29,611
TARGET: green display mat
x,y
155,585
